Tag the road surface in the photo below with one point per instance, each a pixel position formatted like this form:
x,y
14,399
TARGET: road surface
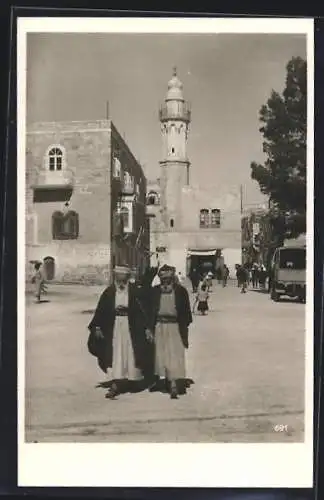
x,y
246,359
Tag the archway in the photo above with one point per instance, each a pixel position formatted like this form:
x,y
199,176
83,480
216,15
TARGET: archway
x,y
49,268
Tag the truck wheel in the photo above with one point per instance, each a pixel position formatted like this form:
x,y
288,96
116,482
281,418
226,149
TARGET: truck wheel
x,y
274,295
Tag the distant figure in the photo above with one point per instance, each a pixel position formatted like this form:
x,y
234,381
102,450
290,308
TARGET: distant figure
x,y
209,281
262,277
255,275
202,300
225,275
39,281
237,273
194,278
242,275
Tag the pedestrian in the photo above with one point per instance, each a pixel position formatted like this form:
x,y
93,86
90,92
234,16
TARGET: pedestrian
x,y
202,300
170,317
219,275
262,277
242,277
255,272
225,275
117,334
38,280
194,278
238,275
209,281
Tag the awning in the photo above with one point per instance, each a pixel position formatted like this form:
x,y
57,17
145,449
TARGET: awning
x,y
201,252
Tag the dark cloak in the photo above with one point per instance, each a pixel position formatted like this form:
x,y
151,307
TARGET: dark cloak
x,y
138,320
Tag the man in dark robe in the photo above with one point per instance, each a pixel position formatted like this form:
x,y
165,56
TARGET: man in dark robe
x,y
242,275
225,274
170,317
117,333
194,278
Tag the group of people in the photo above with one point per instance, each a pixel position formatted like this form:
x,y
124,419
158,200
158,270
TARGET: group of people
x,y
258,275
196,277
139,331
255,274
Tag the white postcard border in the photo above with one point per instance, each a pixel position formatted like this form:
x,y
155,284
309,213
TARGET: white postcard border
x,y
202,465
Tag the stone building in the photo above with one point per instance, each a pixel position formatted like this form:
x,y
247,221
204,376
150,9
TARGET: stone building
x,y
85,201
190,226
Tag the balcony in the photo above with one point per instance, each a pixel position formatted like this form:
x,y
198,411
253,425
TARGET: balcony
x,y
128,188
182,113
151,210
48,179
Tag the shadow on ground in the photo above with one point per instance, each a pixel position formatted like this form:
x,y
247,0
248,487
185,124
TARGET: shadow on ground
x,y
139,386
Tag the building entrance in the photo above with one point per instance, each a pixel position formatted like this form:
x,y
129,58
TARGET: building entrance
x,y
204,261
49,268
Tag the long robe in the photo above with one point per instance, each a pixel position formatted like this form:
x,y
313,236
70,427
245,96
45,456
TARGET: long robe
x,y
183,309
105,318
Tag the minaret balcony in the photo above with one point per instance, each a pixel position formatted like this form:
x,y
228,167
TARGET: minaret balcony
x,y
151,211
182,114
128,188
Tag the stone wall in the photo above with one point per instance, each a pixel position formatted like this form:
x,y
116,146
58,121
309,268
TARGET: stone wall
x,y
88,151
88,158
74,262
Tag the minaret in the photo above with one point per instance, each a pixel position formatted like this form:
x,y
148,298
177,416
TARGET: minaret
x,y
175,118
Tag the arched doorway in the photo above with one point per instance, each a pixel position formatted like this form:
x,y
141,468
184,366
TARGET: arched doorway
x,y
49,268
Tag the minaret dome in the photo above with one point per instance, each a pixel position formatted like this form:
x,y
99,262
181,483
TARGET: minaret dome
x,y
174,88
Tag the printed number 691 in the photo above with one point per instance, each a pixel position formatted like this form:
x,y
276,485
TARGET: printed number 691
x,y
281,428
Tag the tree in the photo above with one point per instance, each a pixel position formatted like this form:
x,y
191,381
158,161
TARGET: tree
x,y
283,175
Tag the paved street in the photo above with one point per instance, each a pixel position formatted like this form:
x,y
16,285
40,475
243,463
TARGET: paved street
x,y
246,359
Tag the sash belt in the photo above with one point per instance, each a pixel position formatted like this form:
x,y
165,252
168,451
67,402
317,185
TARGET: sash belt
x,y
167,319
121,312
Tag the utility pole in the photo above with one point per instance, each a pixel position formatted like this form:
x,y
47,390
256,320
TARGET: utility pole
x,y
241,198
107,110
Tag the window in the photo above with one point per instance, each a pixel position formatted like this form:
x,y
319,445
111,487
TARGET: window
x,y
171,222
125,219
215,217
292,258
65,226
128,182
49,268
172,150
204,218
210,218
152,198
55,159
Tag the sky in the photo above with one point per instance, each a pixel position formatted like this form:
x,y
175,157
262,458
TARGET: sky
x,y
226,78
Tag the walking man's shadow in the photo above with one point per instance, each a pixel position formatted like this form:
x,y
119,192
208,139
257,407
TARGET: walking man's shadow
x,y
160,385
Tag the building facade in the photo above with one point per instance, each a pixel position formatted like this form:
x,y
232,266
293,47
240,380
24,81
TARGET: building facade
x,y
85,201
190,226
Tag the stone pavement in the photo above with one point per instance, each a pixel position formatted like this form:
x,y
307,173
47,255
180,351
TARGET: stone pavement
x,y
246,359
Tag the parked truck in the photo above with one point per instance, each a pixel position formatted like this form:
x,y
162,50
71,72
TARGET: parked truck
x,y
288,273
